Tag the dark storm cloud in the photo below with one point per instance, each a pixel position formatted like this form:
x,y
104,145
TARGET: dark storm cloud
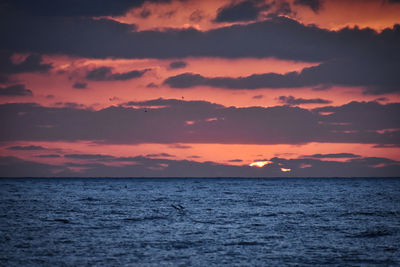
x,y
25,148
291,100
49,156
386,146
362,116
78,36
91,8
177,65
174,104
32,63
272,38
255,81
333,156
88,156
186,80
146,167
357,167
79,85
382,99
350,57
166,155
15,90
15,167
315,5
4,78
338,72
246,10
176,121
105,74
235,160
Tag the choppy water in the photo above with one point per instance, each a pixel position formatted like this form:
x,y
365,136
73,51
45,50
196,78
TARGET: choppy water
x,y
224,221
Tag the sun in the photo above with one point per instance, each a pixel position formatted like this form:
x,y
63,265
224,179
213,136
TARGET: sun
x,y
260,163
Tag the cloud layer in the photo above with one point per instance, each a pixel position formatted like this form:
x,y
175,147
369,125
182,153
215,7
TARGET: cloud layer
x,y
350,57
335,72
246,10
291,100
271,38
178,121
105,74
149,167
75,8
15,90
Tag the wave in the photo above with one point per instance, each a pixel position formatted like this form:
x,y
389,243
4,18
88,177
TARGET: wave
x,y
372,233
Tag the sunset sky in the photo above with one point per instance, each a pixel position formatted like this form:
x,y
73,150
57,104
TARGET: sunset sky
x,y
189,88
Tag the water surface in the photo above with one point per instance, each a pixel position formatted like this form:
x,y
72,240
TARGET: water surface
x,y
223,222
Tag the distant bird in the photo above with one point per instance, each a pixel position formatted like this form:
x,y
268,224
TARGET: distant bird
x,y
178,207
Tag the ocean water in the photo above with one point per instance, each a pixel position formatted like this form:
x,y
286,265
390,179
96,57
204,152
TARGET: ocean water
x,y
232,222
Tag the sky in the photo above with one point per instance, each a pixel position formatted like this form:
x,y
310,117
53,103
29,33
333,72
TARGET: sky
x,y
211,88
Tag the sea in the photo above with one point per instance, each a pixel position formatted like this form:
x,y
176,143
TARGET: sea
x,y
199,222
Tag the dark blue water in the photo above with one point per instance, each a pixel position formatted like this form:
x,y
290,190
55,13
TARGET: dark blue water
x,y
224,222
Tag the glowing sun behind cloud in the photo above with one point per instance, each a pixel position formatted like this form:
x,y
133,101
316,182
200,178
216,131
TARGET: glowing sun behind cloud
x,y
260,163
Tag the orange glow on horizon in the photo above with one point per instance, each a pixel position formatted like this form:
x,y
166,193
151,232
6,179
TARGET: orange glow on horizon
x,y
286,169
219,153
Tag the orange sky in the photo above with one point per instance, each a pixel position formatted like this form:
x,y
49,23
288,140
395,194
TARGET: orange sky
x,y
55,88
100,94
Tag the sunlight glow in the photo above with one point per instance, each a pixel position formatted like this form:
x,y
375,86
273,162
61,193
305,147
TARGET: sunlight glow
x,y
260,163
285,170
